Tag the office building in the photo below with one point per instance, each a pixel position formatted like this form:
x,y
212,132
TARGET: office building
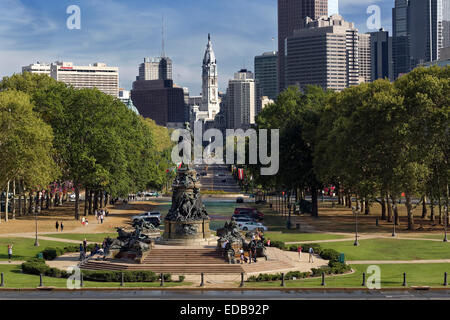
x,y
241,100
324,53
381,52
418,33
159,68
364,58
98,75
38,67
291,15
159,100
266,73
446,23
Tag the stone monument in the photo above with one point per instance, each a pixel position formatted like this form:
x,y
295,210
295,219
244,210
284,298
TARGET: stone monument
x,y
187,221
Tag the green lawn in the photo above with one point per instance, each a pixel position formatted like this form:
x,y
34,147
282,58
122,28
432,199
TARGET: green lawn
x,y
391,276
23,248
435,236
92,237
14,278
391,249
292,236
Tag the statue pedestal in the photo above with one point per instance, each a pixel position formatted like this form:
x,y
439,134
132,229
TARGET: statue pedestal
x,y
187,232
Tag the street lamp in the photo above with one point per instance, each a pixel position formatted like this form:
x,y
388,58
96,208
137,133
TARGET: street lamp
x,y
355,212
394,207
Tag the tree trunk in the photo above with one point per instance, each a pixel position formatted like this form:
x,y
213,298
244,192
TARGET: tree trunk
x,y
86,203
96,200
19,189
7,202
47,198
409,210
367,207
424,207
77,202
431,209
90,202
440,210
389,208
362,205
32,203
383,208
14,201
38,203
395,211
315,203
102,194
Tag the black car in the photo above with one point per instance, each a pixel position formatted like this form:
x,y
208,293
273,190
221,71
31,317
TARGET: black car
x,y
239,200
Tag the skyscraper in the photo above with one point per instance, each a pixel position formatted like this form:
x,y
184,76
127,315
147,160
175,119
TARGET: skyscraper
x,y
159,68
446,23
241,100
266,73
364,58
381,48
210,86
324,53
291,14
417,33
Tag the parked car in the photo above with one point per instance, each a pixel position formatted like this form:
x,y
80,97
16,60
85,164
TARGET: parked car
x,y
151,214
251,225
236,217
156,221
252,212
239,200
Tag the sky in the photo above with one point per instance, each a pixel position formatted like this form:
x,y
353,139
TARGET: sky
x,y
122,32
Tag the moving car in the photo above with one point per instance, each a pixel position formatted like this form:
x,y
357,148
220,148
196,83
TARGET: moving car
x,y
251,225
151,214
252,212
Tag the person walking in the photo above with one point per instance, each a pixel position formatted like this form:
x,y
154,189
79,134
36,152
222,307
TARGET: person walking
x,y
102,216
61,226
299,250
268,242
83,221
57,226
311,255
10,252
81,252
85,245
241,251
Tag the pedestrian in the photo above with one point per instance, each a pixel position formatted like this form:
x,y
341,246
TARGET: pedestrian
x,y
241,251
311,255
254,253
86,222
102,217
10,252
81,251
57,226
224,245
61,226
268,242
83,221
299,250
84,245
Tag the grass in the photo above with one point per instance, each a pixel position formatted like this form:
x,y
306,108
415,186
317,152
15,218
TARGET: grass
x,y
391,249
14,278
294,236
391,277
23,248
92,237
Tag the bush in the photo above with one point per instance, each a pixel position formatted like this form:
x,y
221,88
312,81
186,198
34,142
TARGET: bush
x,y
329,254
181,278
277,277
35,267
53,253
128,276
277,244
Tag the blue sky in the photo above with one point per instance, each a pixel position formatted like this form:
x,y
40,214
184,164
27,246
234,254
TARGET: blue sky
x,y
121,33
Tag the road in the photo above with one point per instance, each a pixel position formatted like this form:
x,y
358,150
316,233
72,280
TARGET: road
x,y
234,295
218,178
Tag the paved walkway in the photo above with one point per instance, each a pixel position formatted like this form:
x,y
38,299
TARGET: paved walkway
x,y
397,261
11,263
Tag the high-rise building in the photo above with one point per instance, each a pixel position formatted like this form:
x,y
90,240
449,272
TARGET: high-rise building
x,y
291,15
159,100
98,75
159,68
400,38
241,100
446,23
324,53
210,86
381,52
38,67
418,33
266,73
333,7
364,58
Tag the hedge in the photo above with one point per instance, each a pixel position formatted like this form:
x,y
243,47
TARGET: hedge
x,y
129,276
38,266
52,253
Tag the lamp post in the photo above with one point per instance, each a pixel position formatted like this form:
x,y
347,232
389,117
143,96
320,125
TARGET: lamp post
x,y
355,212
393,219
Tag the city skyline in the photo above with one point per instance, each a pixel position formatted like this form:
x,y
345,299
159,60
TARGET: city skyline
x,y
121,34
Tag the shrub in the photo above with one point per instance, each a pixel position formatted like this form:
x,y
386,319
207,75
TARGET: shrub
x,y
128,276
278,244
329,254
35,267
181,278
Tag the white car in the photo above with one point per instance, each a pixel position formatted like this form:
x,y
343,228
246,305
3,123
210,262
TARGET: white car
x,y
155,214
251,225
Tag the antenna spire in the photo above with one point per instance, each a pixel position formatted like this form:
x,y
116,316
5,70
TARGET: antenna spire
x,y
163,50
